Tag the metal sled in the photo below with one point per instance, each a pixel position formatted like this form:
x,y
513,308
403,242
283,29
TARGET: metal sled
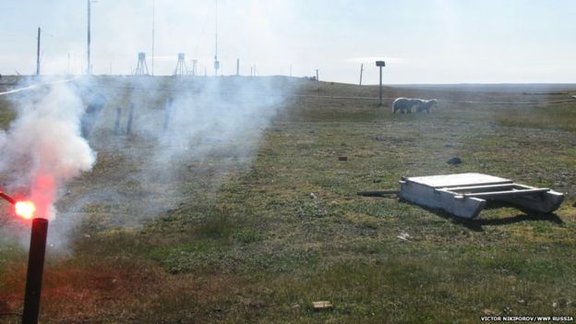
x,y
465,194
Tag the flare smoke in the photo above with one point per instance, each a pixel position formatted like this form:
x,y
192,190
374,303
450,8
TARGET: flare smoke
x,y
43,148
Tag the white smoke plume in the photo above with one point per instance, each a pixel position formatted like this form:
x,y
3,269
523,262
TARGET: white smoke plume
x,y
184,130
43,148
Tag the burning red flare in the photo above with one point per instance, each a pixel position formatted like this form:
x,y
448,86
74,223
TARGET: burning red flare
x,y
25,209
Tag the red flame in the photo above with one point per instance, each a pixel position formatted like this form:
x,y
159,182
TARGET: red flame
x,y
25,209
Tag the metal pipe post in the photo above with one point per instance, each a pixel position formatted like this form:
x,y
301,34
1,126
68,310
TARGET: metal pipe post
x,y
317,81
38,53
117,123
88,68
36,255
130,117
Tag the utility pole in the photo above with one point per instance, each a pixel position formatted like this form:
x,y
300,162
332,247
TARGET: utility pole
x,y
361,70
380,64
153,31
38,54
194,62
88,67
216,62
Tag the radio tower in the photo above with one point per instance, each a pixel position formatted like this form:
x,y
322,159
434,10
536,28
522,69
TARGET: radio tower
x,y
142,67
216,62
180,66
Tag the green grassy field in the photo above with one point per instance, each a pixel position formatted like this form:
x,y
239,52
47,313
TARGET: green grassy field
x,y
262,238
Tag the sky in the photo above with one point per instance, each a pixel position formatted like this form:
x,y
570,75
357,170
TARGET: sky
x,y
421,41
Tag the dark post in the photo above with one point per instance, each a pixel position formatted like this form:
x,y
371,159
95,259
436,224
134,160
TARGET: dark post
x,y
38,54
167,111
35,270
117,123
317,81
380,64
130,117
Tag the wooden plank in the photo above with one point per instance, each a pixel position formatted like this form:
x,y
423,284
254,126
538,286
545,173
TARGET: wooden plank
x,y
544,203
507,193
482,187
322,305
441,199
458,180
465,194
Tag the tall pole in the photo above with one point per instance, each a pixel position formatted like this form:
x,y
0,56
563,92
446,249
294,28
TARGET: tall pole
x,y
361,70
88,67
38,54
153,31
216,63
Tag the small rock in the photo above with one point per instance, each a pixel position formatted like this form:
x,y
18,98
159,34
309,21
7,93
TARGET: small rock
x,y
489,312
404,236
454,161
342,158
313,195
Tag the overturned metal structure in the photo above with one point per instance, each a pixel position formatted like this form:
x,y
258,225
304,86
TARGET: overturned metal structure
x,y
466,194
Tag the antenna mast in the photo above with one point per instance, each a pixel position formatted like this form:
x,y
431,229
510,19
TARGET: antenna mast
x,y
153,31
216,62
88,67
38,54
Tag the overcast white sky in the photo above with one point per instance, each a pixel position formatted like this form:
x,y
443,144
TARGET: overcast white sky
x,y
422,41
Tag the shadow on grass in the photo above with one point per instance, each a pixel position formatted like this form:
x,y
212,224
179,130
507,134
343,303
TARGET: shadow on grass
x,y
476,224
